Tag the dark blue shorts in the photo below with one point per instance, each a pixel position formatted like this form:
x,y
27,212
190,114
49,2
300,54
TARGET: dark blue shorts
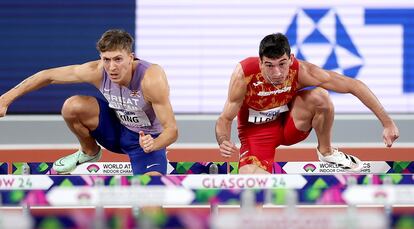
x,y
115,137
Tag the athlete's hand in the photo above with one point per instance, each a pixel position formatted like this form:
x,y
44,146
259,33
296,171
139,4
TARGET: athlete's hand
x,y
146,142
227,148
390,134
3,107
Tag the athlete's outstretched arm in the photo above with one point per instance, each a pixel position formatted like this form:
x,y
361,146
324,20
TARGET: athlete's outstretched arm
x,y
156,91
61,75
311,75
237,91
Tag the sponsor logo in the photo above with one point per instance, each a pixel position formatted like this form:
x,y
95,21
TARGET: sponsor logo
x,y
103,168
278,91
92,168
315,167
243,154
59,162
309,167
257,83
152,165
92,159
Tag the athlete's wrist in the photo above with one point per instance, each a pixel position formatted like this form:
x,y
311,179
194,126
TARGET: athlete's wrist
x,y
4,101
387,122
222,138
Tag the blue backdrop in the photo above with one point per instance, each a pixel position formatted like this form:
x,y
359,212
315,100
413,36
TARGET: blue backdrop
x,y
40,34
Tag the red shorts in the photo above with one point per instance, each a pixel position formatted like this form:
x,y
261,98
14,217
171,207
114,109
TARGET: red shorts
x,y
259,141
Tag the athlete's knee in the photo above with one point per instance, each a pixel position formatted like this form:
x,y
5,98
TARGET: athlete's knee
x,y
77,105
252,169
321,100
153,173
247,169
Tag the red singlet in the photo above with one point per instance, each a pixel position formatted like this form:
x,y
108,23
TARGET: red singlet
x,y
264,120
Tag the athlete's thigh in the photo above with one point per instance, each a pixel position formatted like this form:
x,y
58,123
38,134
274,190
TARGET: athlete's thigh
x,y
258,143
305,104
108,132
291,134
148,163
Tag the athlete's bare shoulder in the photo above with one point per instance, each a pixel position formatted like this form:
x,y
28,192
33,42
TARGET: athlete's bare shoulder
x,y
238,84
155,84
304,66
155,69
239,77
309,68
238,71
311,74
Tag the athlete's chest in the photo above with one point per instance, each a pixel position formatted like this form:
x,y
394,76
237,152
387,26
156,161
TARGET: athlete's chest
x,y
128,105
262,95
123,98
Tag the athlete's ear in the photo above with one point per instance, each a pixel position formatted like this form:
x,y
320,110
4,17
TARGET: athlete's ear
x,y
260,61
292,57
260,64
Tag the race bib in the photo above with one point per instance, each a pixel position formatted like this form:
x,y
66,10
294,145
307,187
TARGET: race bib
x,y
135,118
259,117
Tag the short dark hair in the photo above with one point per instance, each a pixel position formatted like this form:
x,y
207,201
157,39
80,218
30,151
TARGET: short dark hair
x,y
115,39
274,46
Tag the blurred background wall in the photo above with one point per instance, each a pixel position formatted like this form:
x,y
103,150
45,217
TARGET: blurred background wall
x,y
199,43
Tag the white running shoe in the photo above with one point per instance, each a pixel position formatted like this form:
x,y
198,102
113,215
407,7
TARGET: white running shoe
x,y
66,165
344,161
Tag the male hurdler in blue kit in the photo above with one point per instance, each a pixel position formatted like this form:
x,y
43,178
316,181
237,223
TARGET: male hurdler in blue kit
x,y
135,119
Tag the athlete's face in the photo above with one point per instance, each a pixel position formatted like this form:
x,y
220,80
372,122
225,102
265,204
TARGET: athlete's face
x,y
275,70
118,65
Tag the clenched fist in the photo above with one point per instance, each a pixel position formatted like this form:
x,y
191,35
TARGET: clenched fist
x,y
146,142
